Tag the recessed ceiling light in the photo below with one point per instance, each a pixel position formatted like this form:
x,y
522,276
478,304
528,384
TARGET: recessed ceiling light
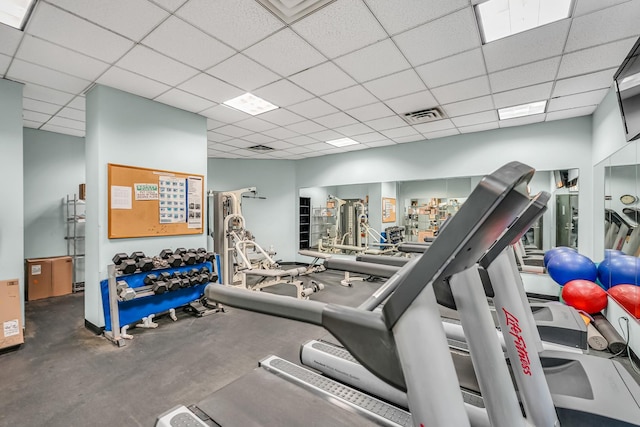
x,y
522,110
342,142
502,18
250,104
15,12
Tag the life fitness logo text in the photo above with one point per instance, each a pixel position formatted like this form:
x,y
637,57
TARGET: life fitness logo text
x,y
514,330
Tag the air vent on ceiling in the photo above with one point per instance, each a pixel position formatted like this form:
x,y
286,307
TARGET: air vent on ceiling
x,y
260,148
292,10
424,116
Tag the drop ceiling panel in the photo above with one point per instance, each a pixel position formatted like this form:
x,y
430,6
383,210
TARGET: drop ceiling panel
x,y
400,132
10,39
285,52
524,75
475,119
52,24
209,87
31,124
72,113
587,6
225,114
335,120
281,117
306,127
521,121
573,112
414,102
239,143
325,135
46,94
183,100
40,106
313,108
600,80
466,89
170,5
27,72
319,146
78,103
58,58
258,138
255,124
238,23
140,17
298,150
469,106
63,130
354,129
369,137
386,123
578,100
453,69
352,97
280,145
340,27
301,140
147,62
395,85
479,127
441,133
614,23
529,46
35,116
218,137
323,79
132,83
373,61
523,96
373,111
411,138
400,15
595,59
444,37
67,123
243,72
381,143
234,131
4,64
430,127
179,40
280,133
283,93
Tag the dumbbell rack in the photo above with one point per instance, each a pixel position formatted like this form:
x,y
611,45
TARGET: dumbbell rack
x,y
118,314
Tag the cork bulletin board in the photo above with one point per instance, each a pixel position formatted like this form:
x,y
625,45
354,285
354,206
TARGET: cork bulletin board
x,y
388,209
149,202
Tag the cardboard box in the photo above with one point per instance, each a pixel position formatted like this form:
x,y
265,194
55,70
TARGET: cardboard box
x,y
49,277
10,314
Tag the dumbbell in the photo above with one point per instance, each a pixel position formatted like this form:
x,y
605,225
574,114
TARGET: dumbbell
x,y
125,293
180,251
170,281
145,264
158,286
166,253
189,258
124,264
203,278
137,255
204,270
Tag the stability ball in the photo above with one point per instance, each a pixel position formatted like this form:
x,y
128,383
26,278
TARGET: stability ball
x,y
621,269
568,266
628,296
584,295
555,251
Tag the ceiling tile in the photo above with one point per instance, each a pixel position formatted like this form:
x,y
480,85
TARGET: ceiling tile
x,y
52,24
63,130
40,106
67,123
478,128
475,119
386,123
46,94
410,138
26,72
374,111
234,131
147,62
340,27
218,137
34,116
400,132
322,79
573,112
31,124
258,138
280,133
600,80
453,69
5,60
301,140
595,59
319,146
243,73
614,23
523,96
587,6
414,102
72,113
381,143
325,135
466,89
298,150
255,124
281,117
377,60
438,125
528,46
185,101
369,137
280,145
469,106
239,143
441,133
10,39
313,108
179,40
446,36
521,121
396,85
305,127
214,124
283,93
354,129
335,120
352,97
577,100
141,16
132,83
78,103
400,15
524,75
238,23
285,52
209,87
170,5
225,114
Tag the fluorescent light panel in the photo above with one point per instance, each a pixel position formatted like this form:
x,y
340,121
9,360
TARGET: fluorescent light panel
x,y
250,104
503,18
15,12
342,142
522,110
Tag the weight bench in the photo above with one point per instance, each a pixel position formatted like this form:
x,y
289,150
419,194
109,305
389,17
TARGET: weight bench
x,y
273,277
314,267
370,269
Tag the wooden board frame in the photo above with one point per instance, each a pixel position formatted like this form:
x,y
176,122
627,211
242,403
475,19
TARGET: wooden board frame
x,y
143,219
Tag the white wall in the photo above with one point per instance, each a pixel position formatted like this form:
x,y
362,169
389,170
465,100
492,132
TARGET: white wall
x,y
11,192
54,166
130,130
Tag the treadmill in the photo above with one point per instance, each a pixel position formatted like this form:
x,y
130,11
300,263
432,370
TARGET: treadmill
x,y
404,344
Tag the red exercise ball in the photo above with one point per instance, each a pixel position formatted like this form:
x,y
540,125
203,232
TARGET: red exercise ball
x,y
584,295
628,296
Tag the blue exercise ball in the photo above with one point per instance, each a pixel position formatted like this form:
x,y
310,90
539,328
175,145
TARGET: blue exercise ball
x,y
567,266
620,269
608,253
555,251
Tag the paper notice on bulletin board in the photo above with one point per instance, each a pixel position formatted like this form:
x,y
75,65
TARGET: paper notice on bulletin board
x,y
146,191
388,209
173,200
194,198
120,197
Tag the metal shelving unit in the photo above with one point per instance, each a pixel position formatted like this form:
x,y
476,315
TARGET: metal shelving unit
x,y
75,217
